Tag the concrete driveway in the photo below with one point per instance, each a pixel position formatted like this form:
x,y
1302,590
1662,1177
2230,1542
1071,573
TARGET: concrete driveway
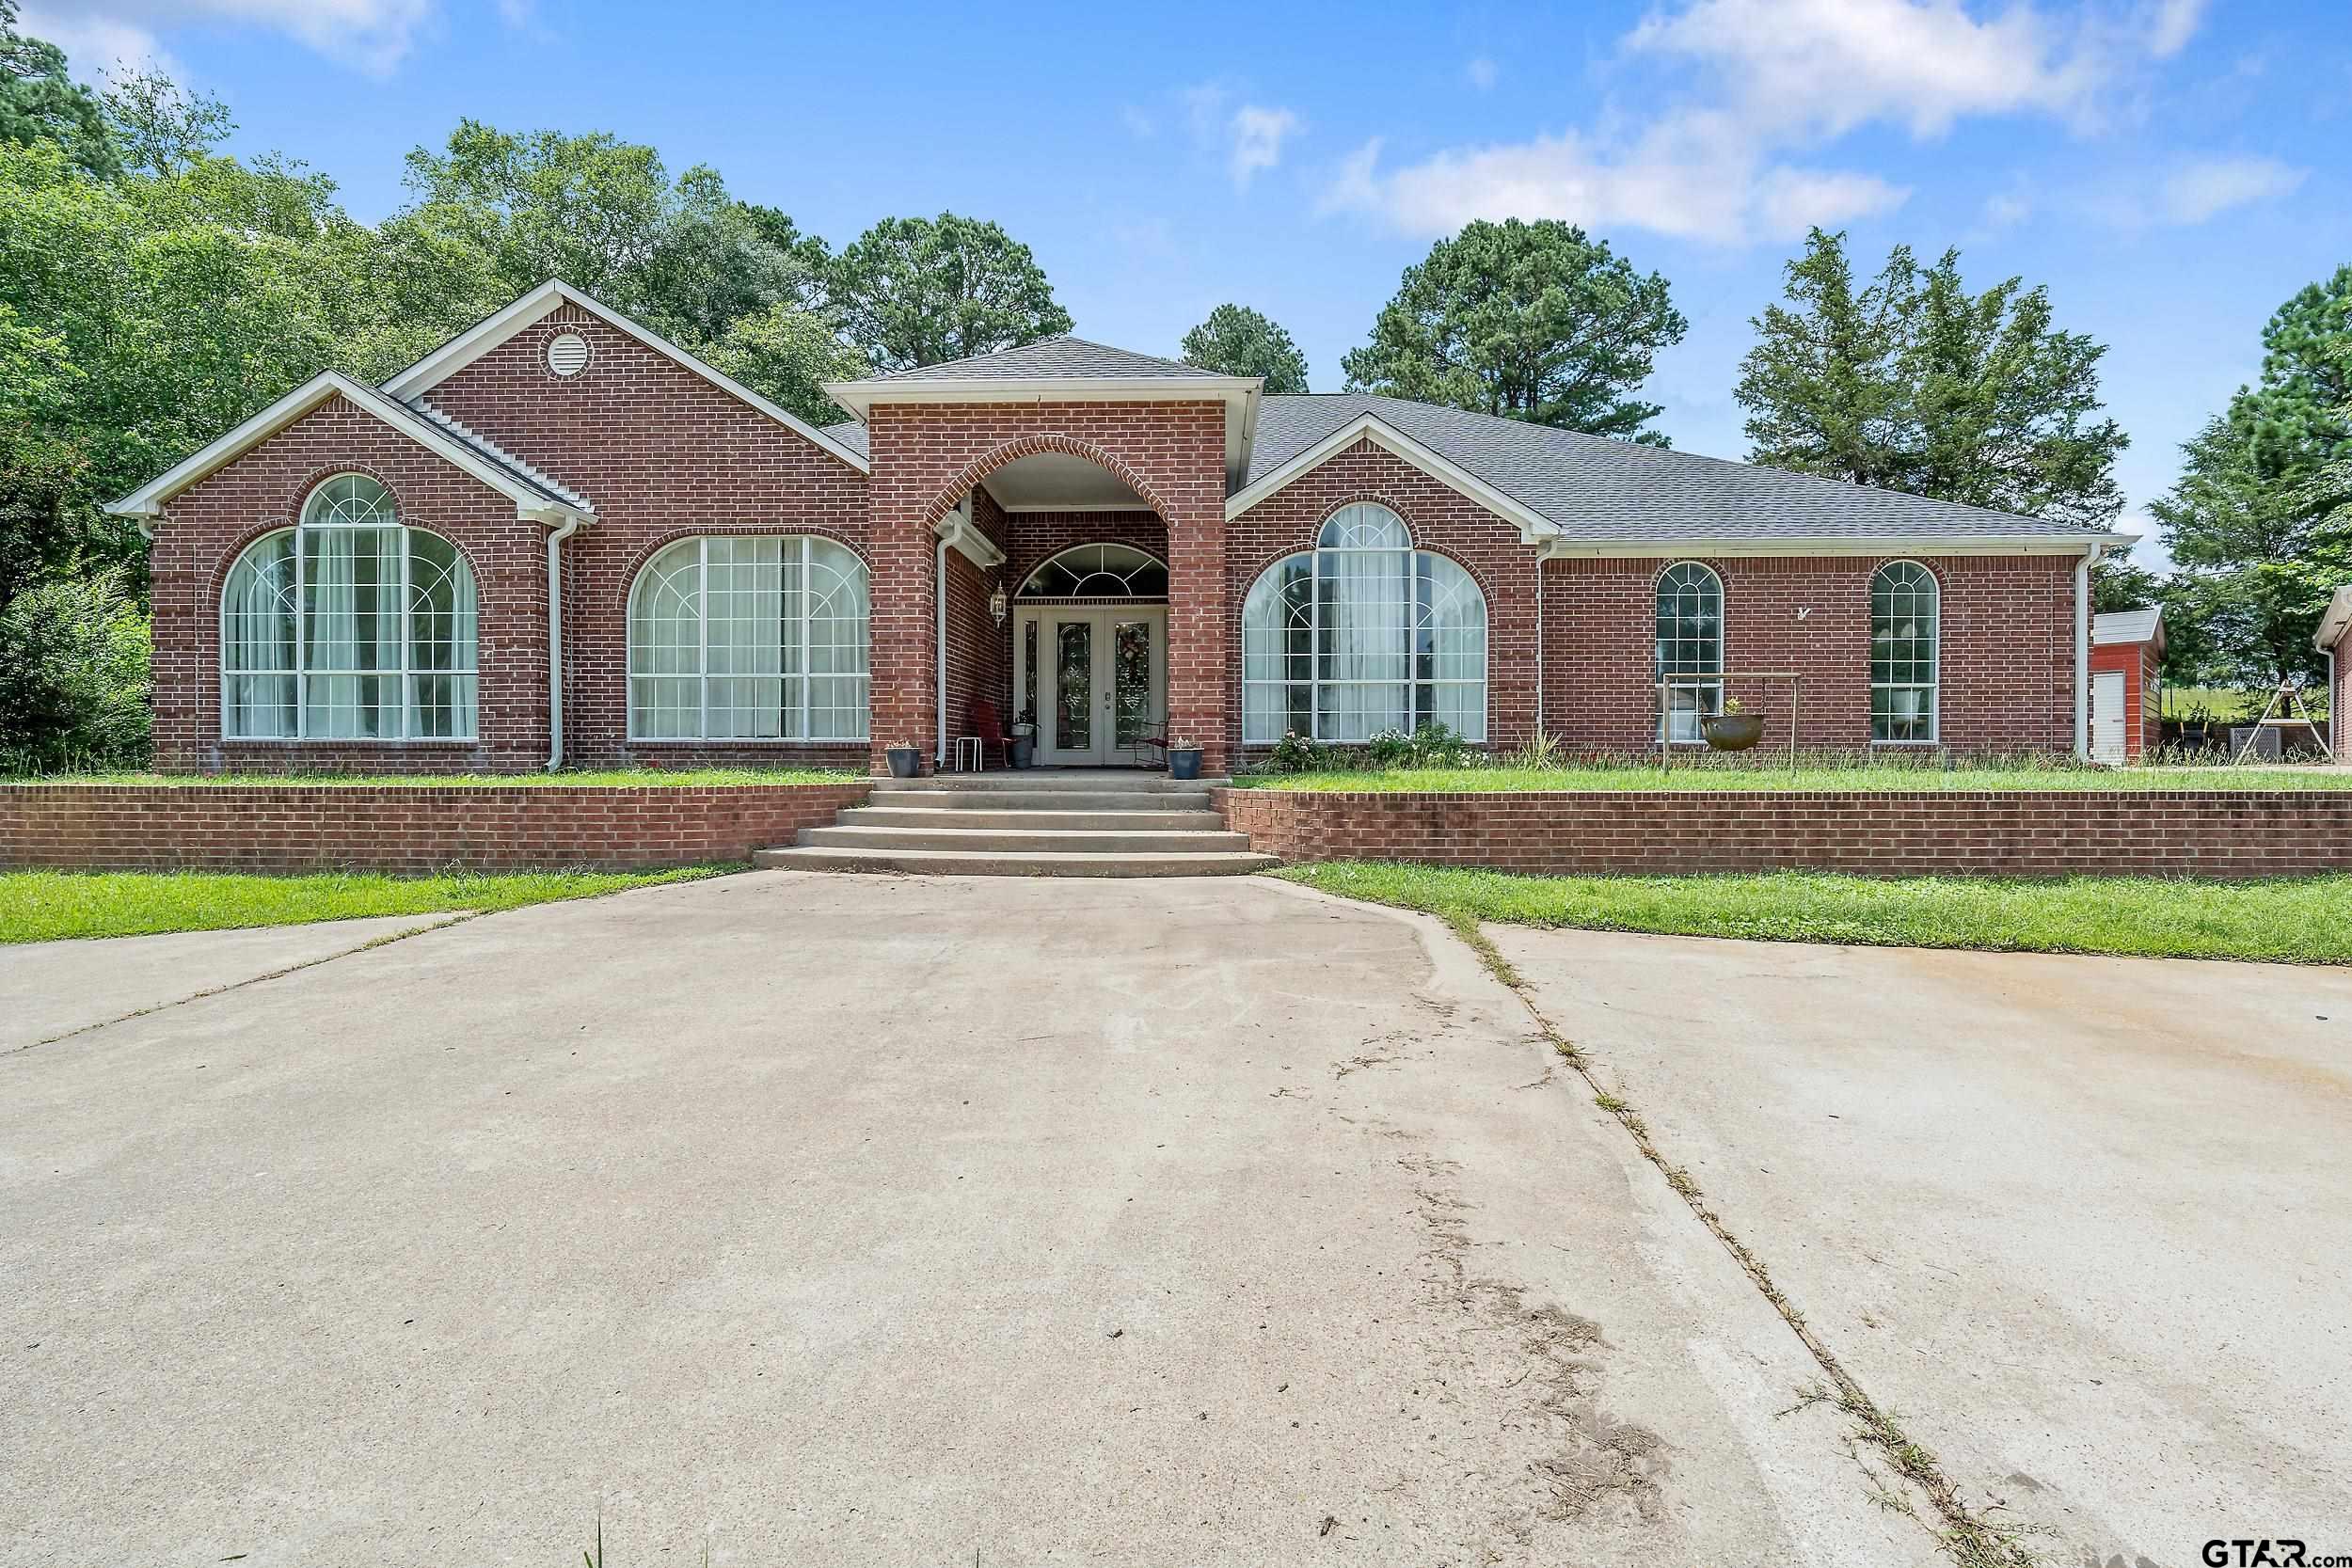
x,y
2086,1223
860,1220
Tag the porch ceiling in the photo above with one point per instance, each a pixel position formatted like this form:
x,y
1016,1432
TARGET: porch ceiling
x,y
1054,482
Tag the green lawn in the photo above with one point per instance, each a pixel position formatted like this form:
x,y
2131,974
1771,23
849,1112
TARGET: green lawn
x,y
1809,779
39,906
2297,920
639,778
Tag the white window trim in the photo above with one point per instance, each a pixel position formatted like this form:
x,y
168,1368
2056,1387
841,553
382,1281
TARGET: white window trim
x,y
1314,681
702,650
1700,680
1934,686
301,671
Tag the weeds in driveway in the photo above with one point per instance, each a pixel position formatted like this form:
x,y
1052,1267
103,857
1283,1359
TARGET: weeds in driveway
x,y
2287,920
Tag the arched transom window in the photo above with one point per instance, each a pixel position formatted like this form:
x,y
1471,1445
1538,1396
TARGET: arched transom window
x,y
1906,610
749,639
1690,647
1362,634
349,625
1098,571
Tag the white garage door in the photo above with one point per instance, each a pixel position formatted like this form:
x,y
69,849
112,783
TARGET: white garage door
x,y
2107,715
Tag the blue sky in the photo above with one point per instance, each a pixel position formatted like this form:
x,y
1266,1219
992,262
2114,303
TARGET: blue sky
x,y
2172,169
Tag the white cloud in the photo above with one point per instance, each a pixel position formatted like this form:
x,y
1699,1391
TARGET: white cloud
x,y
1139,125
2206,187
2172,24
96,46
1257,135
372,35
1480,72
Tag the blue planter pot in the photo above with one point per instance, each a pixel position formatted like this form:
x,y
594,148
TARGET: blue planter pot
x,y
1183,762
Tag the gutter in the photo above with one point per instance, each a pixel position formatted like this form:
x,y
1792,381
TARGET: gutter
x,y
939,658
555,640
2082,653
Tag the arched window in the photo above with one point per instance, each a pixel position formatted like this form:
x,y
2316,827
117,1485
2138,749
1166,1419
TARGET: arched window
x,y
348,626
1906,615
1690,647
1098,571
749,639
1362,634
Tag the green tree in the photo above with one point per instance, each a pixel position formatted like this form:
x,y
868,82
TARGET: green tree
x,y
922,291
162,128
73,677
1237,340
787,355
1532,321
2258,523
1912,383
39,102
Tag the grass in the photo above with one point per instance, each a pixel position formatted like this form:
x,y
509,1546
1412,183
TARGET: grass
x,y
42,905
2295,920
632,778
1807,778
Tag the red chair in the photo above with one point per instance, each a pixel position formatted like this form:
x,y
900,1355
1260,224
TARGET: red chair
x,y
991,731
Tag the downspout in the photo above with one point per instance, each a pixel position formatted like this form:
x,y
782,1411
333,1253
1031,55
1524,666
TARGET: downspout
x,y
1539,645
2082,654
555,640
939,667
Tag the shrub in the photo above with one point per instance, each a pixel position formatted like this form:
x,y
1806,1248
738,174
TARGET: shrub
x,y
73,677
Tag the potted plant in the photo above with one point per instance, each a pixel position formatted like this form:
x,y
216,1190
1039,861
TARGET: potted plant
x,y
1184,760
1732,730
905,758
1024,746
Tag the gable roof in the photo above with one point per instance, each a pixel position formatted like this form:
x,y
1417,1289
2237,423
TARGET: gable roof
x,y
534,494
1603,496
1054,358
543,301
2127,626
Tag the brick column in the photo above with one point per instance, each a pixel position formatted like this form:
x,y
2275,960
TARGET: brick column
x,y
907,472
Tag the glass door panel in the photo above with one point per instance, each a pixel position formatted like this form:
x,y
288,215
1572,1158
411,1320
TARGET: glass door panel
x,y
1073,686
1133,715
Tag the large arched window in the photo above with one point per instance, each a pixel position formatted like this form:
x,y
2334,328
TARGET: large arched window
x,y
1362,634
1690,647
348,626
1906,612
749,639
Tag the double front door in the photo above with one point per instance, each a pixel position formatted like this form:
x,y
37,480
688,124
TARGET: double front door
x,y
1097,679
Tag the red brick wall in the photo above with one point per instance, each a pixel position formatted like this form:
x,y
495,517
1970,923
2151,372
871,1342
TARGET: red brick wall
x,y
663,454
2007,650
2093,832
1441,520
408,829
926,459
207,526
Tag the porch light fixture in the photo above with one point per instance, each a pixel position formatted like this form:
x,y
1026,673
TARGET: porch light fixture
x,y
996,603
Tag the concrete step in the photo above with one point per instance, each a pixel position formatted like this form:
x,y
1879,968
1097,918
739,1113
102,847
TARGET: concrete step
x,y
1041,799
1000,841
1144,818
1084,781
950,863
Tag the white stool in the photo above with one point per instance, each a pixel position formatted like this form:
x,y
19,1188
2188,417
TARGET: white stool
x,y
979,753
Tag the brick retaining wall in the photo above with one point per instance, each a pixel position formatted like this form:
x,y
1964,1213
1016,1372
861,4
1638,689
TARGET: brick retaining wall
x,y
401,828
2015,834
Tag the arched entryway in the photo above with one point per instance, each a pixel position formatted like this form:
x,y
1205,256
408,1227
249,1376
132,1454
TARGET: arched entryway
x,y
1089,655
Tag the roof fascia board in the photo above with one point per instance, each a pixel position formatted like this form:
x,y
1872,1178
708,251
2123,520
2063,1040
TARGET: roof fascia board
x,y
1875,545
538,305
148,502
859,396
1534,528
2332,624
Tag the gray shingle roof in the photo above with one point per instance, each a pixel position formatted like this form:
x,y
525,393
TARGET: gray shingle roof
x,y
1051,359
496,455
851,435
2126,625
1602,490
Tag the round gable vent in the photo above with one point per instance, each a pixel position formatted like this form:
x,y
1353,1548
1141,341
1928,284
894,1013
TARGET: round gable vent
x,y
568,354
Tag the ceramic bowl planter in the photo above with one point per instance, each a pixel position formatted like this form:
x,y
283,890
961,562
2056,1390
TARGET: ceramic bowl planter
x,y
903,761
1732,732
1183,762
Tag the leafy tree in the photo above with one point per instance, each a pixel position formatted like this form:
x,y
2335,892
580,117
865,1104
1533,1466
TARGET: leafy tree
x,y
73,677
1237,340
162,128
921,291
39,102
787,353
1912,383
2257,523
1532,321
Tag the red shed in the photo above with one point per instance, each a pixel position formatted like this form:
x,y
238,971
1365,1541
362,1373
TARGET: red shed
x,y
2126,646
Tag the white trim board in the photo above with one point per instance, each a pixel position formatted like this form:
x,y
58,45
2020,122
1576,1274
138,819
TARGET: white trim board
x,y
529,503
542,301
1888,544
1534,528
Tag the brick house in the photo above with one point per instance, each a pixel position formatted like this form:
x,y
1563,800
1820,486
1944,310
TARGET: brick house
x,y
559,539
